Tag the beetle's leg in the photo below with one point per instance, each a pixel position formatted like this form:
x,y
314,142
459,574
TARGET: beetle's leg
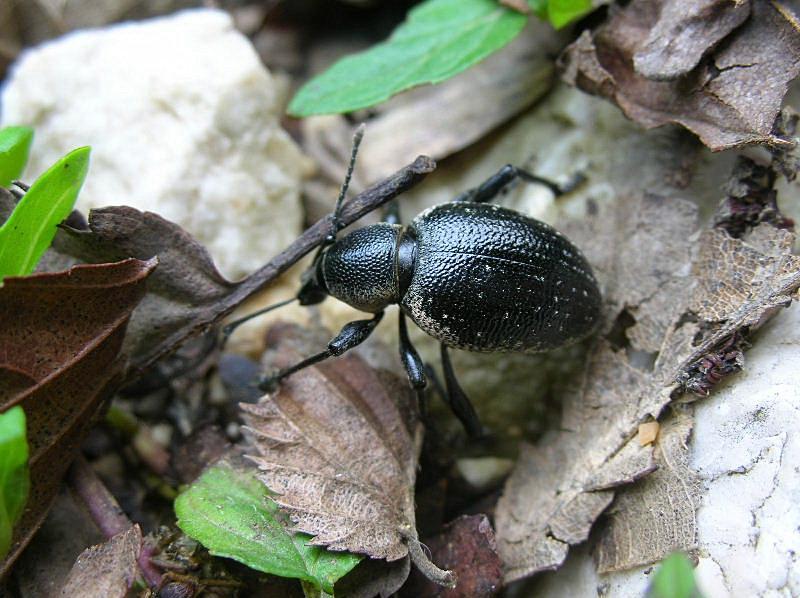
x,y
309,294
228,329
414,367
351,335
489,189
457,398
392,213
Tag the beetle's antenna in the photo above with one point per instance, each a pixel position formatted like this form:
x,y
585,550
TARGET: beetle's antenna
x,y
229,328
335,222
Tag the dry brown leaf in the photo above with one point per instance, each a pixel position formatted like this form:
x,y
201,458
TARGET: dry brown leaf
x,y
43,566
684,32
561,485
546,504
108,569
185,284
654,516
519,5
60,339
339,447
715,99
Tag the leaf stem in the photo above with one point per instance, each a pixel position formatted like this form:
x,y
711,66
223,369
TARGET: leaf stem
x,y
427,568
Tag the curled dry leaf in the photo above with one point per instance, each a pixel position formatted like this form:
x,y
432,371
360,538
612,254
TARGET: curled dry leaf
x,y
60,340
185,283
686,316
628,59
339,446
684,32
108,569
636,533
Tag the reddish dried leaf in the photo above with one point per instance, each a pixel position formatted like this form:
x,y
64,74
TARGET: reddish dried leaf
x,y
60,338
339,447
715,100
467,547
108,569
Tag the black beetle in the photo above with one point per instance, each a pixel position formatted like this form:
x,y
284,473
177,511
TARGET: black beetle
x,y
473,275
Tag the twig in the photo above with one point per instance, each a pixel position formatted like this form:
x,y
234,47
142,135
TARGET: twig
x,y
106,512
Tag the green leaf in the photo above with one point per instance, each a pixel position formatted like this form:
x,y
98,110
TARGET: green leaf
x,y
231,514
30,229
14,475
674,579
15,144
560,13
563,12
438,39
539,8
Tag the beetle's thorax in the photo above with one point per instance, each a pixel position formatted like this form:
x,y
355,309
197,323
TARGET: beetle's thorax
x,y
370,268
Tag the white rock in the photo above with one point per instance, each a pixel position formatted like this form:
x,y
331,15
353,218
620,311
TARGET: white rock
x,y
183,120
746,448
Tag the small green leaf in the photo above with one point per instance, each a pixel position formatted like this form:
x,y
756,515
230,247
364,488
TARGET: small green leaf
x,y
439,39
560,13
14,475
231,514
563,12
15,144
674,579
30,229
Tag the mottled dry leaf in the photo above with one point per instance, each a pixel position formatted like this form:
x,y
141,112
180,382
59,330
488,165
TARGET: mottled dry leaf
x,y
684,32
715,99
466,546
739,278
337,446
675,285
108,569
60,340
545,506
654,516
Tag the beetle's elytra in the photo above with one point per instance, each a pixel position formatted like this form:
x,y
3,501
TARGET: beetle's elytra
x,y
473,275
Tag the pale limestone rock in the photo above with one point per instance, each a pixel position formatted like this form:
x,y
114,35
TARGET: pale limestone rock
x,y
183,120
745,448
